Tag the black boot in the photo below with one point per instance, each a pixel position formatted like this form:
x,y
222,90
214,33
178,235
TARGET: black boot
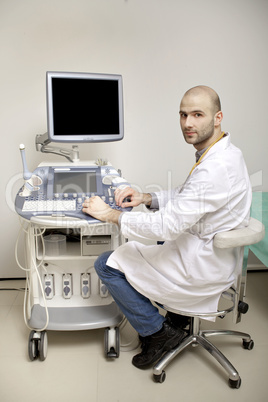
x,y
177,320
155,345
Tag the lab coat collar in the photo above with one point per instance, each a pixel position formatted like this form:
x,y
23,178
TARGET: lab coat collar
x,y
219,146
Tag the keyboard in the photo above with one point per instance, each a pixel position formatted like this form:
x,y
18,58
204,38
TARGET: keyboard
x,y
49,205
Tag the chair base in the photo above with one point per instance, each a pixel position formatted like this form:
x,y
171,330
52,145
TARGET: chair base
x,y
198,337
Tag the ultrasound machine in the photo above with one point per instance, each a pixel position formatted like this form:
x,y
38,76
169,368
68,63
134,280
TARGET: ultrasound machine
x,y
61,243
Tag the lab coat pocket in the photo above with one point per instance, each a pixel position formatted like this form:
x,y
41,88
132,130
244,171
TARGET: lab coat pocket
x,y
200,267
187,246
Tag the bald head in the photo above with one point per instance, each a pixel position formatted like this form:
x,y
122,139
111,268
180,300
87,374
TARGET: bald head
x,y
207,92
200,116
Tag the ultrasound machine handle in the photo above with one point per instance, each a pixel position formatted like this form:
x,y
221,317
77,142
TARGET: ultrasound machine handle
x,y
61,222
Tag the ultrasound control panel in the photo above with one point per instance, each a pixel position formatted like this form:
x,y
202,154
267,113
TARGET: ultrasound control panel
x,y
61,190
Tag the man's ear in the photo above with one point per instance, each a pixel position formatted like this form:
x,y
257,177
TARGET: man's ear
x,y
218,118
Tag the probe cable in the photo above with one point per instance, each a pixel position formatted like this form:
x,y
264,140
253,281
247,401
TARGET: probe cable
x,y
37,233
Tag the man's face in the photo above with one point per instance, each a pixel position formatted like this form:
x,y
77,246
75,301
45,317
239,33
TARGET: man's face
x,y
197,120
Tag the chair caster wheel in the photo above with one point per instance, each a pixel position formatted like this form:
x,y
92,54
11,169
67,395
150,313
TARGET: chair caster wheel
x,y
235,383
160,377
248,345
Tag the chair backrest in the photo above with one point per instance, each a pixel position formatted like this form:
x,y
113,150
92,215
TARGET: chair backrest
x,y
251,234
239,238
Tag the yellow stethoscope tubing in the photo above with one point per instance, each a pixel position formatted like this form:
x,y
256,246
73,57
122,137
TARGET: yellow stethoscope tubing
x,y
206,151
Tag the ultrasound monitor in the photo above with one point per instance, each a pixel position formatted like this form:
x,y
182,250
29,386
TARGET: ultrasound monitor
x,y
84,107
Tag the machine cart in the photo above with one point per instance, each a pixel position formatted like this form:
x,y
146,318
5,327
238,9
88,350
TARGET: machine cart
x,y
64,292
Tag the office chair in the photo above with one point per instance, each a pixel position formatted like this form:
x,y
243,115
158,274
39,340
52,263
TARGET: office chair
x,y
252,234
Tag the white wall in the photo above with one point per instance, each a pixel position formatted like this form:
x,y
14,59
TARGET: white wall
x,y
161,48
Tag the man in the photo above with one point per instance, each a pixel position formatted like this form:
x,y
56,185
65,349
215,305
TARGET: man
x,y
186,272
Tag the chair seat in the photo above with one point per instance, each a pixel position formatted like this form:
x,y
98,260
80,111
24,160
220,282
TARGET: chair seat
x,y
230,295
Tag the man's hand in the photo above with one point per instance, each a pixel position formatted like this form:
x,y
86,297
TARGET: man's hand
x,y
98,209
128,197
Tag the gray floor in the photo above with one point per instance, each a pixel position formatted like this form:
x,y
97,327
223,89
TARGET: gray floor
x,y
76,369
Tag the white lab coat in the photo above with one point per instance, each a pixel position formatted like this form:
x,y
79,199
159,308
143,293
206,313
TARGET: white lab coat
x,y
187,272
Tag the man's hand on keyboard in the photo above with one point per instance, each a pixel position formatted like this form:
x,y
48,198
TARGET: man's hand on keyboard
x,y
98,209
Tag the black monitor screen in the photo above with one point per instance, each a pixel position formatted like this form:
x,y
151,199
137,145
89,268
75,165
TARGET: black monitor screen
x,y
85,106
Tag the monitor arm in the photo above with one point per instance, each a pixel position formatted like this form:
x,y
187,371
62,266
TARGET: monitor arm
x,y
42,145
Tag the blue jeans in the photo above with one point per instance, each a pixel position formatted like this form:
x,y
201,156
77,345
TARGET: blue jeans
x,y
138,309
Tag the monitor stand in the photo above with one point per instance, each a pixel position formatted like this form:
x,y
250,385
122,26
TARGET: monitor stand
x,y
42,145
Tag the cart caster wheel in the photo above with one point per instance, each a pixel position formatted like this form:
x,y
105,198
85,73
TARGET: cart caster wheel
x,y
43,346
33,351
112,342
248,345
235,383
160,377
